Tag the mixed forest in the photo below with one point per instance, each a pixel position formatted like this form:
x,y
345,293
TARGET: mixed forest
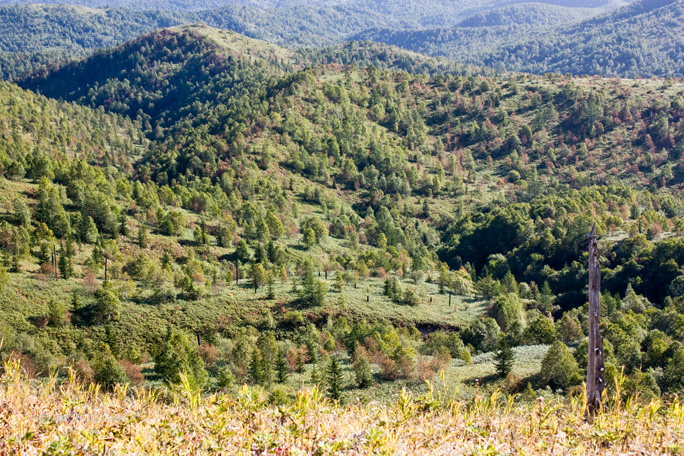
x,y
203,209
608,38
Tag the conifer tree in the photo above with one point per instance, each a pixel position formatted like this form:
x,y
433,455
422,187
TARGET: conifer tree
x,y
334,378
256,374
271,283
65,266
123,223
309,238
339,282
4,278
108,304
142,237
56,313
179,356
281,367
313,290
362,370
504,357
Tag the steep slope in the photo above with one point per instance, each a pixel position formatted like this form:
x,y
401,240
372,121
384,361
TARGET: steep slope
x,y
33,128
165,76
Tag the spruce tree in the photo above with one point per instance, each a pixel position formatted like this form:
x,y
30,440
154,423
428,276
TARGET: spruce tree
x,y
16,261
108,305
281,368
123,224
271,282
56,313
334,378
300,362
4,278
504,357
65,266
142,237
179,355
313,291
256,373
339,282
266,369
362,370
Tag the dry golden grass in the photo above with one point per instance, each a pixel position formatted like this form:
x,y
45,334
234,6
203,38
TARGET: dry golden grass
x,y
69,418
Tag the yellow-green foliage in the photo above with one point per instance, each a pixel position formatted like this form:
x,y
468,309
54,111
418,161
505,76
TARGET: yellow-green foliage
x,y
69,418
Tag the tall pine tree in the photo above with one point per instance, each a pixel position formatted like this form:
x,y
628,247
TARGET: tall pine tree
x,y
504,358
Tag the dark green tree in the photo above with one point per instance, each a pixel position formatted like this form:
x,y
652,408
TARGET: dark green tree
x,y
123,223
142,236
504,358
56,313
108,372
313,291
362,369
179,356
65,265
281,367
107,303
256,370
334,378
559,368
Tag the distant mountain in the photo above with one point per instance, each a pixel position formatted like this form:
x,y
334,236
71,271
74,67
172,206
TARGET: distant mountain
x,y
643,39
529,14
300,26
417,8
33,35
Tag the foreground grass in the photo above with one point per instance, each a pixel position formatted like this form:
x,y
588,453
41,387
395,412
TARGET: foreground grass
x,y
68,418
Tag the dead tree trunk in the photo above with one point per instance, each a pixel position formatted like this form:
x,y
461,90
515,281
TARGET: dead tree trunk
x,y
596,364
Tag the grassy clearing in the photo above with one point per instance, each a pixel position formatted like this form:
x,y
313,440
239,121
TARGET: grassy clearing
x,y
53,418
528,360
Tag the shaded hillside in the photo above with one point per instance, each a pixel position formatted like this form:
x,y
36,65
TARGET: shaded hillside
x,y
167,73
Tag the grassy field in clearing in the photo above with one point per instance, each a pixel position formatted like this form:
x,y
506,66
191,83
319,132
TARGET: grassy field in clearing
x,y
52,418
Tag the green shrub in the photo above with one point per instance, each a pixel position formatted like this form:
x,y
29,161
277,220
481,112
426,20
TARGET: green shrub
x,y
559,368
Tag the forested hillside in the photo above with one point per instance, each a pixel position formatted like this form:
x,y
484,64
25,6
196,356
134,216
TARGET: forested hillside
x,y
208,204
31,36
469,32
410,9
643,39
